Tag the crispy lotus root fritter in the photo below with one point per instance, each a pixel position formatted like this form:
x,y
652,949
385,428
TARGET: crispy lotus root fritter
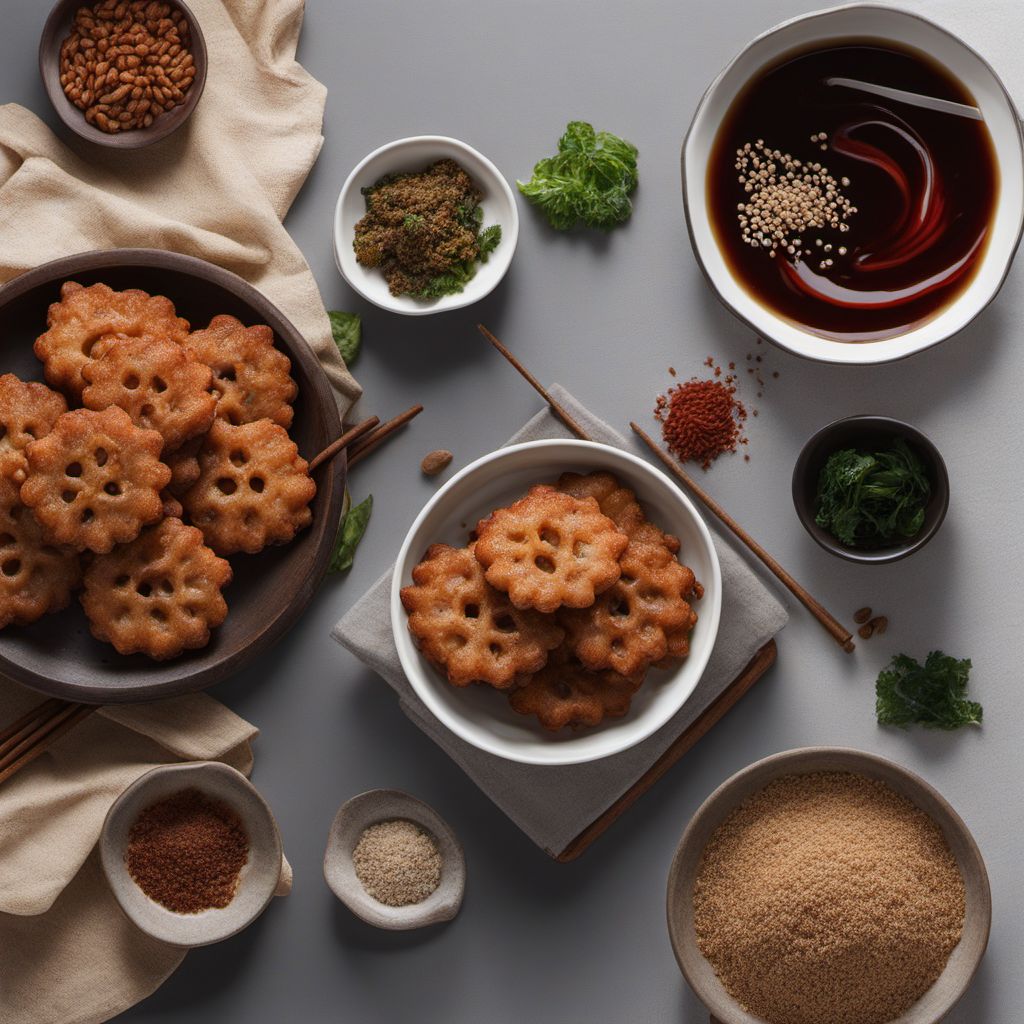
x,y
254,488
159,595
644,617
616,501
36,577
550,549
87,320
250,375
157,383
184,466
565,693
95,480
467,628
28,410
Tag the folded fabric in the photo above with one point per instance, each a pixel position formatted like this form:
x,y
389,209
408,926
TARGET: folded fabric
x,y
217,188
553,805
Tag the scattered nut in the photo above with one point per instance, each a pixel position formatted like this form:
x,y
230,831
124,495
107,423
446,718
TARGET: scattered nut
x,y
879,624
434,462
866,631
862,615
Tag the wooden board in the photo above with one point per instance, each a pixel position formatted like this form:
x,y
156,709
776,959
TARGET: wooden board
x,y
755,669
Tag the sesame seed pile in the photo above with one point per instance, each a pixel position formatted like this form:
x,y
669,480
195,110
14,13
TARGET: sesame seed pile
x,y
828,897
789,201
397,862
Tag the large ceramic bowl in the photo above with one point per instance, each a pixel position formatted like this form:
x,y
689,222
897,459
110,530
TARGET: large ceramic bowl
x,y
479,715
862,22
414,154
269,592
966,956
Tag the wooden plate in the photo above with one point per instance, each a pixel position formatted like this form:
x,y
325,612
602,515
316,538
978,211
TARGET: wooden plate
x,y
964,960
57,654
57,29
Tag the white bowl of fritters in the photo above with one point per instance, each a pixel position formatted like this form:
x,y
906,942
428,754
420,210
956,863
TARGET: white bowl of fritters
x,y
479,714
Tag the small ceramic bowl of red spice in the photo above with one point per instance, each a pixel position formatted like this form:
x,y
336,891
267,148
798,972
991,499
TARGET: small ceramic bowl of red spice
x,y
192,853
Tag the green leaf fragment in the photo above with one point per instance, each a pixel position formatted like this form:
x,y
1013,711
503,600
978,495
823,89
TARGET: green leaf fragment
x,y
350,533
347,330
932,695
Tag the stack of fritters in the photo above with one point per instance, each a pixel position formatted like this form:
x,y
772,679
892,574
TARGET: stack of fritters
x,y
172,426
564,600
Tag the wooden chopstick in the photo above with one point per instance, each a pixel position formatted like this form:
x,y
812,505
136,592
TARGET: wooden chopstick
x,y
33,734
372,441
838,631
344,441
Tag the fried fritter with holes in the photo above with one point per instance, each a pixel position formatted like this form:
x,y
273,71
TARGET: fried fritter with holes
x,y
158,595
36,577
184,465
95,480
614,499
157,383
87,321
550,549
471,631
564,693
254,488
28,410
250,375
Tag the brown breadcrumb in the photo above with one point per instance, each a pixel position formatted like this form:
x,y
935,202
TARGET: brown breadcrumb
x,y
418,226
397,862
828,897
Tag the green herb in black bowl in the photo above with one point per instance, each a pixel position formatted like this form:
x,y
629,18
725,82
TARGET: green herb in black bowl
x,y
870,488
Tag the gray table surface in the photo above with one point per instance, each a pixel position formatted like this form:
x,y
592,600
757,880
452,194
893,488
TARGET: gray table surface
x,y
606,316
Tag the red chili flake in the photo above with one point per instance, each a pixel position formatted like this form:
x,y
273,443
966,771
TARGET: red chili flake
x,y
701,419
710,361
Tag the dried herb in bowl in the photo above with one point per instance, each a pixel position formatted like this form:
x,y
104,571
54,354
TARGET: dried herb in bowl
x,y
873,499
424,230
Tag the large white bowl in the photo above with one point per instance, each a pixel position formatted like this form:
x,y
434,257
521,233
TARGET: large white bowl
x,y
885,24
479,715
414,154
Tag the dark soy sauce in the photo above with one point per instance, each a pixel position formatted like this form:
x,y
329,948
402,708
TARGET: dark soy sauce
x,y
924,184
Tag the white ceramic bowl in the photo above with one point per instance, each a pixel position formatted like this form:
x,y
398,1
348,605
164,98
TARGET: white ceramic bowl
x,y
479,715
414,154
884,23
259,876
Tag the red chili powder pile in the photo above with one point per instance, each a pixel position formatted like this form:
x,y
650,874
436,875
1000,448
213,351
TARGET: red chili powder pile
x,y
702,419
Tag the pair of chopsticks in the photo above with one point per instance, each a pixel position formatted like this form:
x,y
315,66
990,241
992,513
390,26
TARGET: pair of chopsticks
x,y
32,734
833,626
364,438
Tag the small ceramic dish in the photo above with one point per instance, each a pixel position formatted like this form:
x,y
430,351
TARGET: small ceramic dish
x,y
868,433
860,21
259,877
415,154
57,29
484,718
954,980
368,809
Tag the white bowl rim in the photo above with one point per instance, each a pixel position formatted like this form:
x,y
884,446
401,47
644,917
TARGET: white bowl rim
x,y
710,614
448,302
871,353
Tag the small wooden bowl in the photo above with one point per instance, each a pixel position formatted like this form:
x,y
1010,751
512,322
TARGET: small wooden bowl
x,y
868,432
57,29
963,962
269,592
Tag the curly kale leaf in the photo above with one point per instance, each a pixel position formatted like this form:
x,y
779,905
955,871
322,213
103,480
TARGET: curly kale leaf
x,y
933,694
869,500
589,181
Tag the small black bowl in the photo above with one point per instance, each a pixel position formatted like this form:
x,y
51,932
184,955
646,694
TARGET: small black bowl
x,y
868,433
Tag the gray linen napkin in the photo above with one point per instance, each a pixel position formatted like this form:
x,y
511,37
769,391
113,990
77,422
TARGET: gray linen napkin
x,y
552,805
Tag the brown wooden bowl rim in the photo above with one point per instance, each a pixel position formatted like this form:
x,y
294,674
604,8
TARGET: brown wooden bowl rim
x,y
332,474
73,118
727,796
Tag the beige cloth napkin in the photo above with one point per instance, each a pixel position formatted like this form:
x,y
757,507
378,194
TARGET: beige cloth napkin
x,y
553,805
218,188
68,955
